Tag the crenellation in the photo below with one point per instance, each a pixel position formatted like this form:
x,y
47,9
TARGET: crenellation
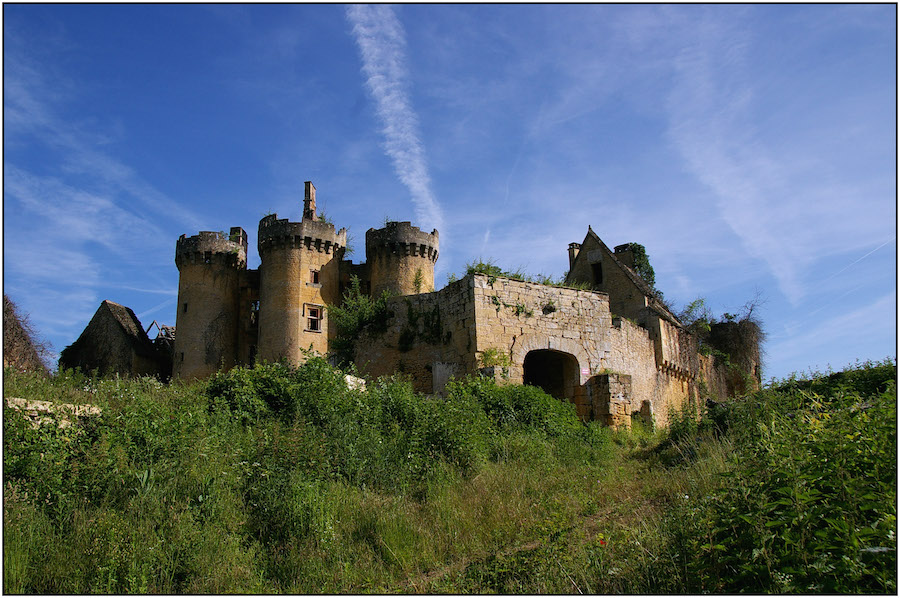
x,y
614,351
226,249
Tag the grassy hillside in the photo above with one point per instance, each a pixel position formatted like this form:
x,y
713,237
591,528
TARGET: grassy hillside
x,y
274,479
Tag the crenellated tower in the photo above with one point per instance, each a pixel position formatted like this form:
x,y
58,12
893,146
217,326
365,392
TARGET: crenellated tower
x,y
210,266
299,276
401,259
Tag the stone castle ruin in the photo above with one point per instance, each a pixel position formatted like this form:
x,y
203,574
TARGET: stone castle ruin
x,y
615,351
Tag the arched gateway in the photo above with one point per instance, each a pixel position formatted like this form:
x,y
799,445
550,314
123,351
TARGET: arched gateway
x,y
556,372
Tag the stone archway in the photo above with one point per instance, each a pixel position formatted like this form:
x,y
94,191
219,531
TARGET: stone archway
x,y
556,372
536,341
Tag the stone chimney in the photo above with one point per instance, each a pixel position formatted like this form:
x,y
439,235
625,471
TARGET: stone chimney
x,y
574,248
625,255
309,201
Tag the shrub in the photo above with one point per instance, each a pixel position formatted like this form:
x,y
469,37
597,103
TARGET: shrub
x,y
811,505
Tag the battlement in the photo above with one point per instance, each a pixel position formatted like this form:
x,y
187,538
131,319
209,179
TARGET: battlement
x,y
402,239
212,247
314,235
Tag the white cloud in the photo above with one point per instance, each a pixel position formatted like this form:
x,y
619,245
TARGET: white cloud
x,y
80,217
839,340
382,46
34,98
784,190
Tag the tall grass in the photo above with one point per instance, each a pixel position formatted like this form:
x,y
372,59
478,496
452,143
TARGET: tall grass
x,y
275,479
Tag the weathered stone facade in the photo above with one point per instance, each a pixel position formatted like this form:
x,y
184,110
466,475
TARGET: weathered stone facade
x,y
615,351
565,340
114,343
229,315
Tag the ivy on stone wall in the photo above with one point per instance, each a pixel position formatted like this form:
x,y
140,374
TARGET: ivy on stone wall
x,y
356,314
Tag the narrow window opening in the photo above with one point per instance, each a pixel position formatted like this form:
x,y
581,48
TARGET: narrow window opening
x,y
184,308
314,276
254,313
597,271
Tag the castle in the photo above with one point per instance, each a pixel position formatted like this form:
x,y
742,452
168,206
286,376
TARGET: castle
x,y
615,351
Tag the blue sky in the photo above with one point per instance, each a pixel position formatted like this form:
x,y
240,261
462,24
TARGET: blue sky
x,y
748,148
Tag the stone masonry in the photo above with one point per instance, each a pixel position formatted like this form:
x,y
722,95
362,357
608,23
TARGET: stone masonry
x,y
614,350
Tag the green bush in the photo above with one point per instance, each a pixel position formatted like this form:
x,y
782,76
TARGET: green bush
x,y
811,503
517,406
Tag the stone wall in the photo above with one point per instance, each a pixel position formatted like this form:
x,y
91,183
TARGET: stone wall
x,y
401,258
433,336
299,275
429,338
519,317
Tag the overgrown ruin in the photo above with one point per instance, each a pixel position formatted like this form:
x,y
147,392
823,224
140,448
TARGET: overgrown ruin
x,y
603,340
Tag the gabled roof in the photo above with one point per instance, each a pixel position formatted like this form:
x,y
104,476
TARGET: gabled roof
x,y
131,327
655,303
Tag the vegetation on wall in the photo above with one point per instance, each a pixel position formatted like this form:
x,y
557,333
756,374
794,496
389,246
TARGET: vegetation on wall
x,y
357,313
276,479
642,265
420,324
735,339
493,271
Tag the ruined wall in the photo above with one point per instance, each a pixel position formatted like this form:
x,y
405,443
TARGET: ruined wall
x,y
568,331
209,266
299,276
660,369
113,342
429,338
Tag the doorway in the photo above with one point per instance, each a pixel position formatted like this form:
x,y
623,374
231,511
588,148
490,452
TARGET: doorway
x,y
553,371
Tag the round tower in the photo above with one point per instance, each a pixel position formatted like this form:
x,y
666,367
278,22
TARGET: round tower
x,y
206,325
401,259
299,276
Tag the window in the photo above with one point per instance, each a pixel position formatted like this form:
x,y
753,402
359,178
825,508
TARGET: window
x,y
184,308
597,271
254,313
314,276
314,318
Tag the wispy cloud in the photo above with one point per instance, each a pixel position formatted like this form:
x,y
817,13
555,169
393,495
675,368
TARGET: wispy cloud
x,y
382,46
65,214
781,185
35,99
852,334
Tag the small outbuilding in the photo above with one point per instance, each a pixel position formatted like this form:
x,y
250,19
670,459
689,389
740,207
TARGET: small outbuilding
x,y
114,342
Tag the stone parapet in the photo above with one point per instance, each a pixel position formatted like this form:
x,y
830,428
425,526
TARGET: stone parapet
x,y
313,235
211,247
402,239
